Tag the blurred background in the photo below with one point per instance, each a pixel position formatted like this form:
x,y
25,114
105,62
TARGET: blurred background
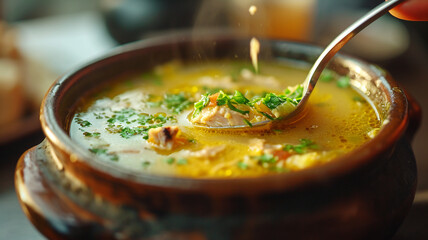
x,y
42,39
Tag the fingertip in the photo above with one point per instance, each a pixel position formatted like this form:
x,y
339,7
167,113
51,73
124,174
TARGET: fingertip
x,y
412,10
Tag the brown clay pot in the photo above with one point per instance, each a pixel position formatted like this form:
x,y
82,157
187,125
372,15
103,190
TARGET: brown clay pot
x,y
69,194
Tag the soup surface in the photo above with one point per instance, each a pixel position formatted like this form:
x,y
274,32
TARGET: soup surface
x,y
141,123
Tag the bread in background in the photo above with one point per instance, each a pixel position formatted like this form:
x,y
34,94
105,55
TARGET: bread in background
x,y
12,105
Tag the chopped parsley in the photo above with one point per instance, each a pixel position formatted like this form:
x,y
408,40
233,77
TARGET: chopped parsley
x,y
327,76
172,160
83,123
182,161
248,122
233,108
242,165
296,95
176,103
231,100
122,116
269,162
343,82
101,152
358,99
301,148
146,164
145,123
266,158
169,160
128,132
267,115
99,115
201,104
98,151
239,98
93,134
223,99
271,100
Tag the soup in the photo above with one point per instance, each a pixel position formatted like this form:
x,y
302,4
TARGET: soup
x,y
144,123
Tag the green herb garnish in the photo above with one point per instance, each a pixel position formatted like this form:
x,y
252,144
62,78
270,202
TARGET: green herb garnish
x,y
145,121
222,98
169,160
242,165
98,151
201,104
272,101
327,75
176,102
358,99
93,134
267,115
83,123
296,95
266,158
267,161
239,98
146,164
101,151
233,108
343,82
301,148
182,161
248,122
128,132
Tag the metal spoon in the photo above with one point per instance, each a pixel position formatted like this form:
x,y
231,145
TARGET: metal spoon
x,y
323,59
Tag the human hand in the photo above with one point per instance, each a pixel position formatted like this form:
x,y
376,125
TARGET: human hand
x,y
412,10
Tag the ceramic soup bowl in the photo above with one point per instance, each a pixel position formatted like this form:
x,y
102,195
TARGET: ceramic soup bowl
x,y
68,193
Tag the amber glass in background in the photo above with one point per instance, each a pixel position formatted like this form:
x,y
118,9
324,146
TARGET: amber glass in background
x,y
283,19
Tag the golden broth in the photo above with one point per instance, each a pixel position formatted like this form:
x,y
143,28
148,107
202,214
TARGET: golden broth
x,y
115,124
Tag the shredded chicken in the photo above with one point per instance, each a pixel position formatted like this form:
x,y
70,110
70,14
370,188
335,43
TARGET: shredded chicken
x,y
166,138
219,116
208,152
259,146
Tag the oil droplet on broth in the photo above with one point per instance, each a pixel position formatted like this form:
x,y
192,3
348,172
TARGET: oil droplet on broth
x,y
254,51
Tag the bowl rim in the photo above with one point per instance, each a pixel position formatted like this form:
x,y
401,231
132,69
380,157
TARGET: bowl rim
x,y
389,134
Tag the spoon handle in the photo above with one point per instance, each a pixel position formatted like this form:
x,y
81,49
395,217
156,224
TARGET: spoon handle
x,y
340,41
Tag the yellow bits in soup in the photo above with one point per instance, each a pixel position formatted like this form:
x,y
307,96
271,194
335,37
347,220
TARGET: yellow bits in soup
x,y
146,122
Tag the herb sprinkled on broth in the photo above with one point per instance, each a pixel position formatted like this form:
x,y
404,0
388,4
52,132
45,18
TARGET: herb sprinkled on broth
x,y
147,128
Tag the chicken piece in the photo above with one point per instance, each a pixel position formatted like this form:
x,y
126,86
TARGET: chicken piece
x,y
298,162
208,152
166,138
259,146
218,116
302,161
